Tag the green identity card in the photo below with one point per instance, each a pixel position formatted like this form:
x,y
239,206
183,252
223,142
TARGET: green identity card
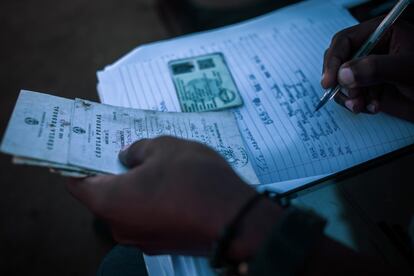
x,y
204,83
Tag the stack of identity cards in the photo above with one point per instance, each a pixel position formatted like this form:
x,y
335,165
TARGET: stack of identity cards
x,y
79,138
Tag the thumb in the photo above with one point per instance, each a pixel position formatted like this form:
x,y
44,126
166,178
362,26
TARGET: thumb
x,y
136,153
377,69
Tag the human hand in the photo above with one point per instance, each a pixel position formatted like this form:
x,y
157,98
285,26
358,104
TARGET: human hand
x,y
176,198
380,82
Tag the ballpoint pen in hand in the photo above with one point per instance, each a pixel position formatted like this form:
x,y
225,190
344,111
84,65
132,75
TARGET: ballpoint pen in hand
x,y
368,45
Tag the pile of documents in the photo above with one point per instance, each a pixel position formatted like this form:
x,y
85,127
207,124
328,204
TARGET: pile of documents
x,y
275,64
78,138
275,61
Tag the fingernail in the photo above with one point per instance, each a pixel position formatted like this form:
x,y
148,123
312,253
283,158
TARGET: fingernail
x,y
350,105
323,80
372,108
345,91
346,76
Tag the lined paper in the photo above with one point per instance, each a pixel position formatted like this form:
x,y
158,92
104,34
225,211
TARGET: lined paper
x,y
277,72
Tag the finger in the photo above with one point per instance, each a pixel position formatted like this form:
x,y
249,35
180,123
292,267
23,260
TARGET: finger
x,y
354,92
343,45
356,106
93,191
136,153
377,69
341,98
396,104
142,150
331,64
407,91
323,64
351,92
351,99
373,99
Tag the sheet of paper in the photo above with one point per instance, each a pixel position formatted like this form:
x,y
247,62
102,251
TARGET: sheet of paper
x,y
41,163
278,74
101,131
39,127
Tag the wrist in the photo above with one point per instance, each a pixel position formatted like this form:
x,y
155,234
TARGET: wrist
x,y
224,209
253,230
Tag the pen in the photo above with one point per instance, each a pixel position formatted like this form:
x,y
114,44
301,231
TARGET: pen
x,y
367,47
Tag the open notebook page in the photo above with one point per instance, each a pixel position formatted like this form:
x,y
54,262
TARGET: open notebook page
x,y
108,87
277,72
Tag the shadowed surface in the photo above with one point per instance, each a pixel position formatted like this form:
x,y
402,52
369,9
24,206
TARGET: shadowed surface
x,y
56,47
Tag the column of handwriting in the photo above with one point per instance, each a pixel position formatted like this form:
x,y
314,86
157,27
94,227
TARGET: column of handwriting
x,y
298,100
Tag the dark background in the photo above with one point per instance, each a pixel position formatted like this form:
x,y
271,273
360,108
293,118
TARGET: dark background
x,y
56,46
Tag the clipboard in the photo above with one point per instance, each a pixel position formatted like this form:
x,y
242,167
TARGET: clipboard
x,y
349,172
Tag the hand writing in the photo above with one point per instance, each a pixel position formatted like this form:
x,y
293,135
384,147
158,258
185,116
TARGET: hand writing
x,y
177,196
380,82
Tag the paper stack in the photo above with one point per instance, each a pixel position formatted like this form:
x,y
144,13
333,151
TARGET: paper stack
x,y
78,138
276,62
